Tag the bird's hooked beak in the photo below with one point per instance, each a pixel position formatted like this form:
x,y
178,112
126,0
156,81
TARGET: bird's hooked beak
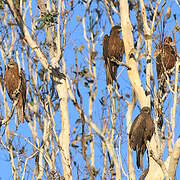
x,y
7,66
172,44
119,29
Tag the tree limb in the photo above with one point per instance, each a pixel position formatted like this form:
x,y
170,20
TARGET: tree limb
x,y
174,160
130,58
5,121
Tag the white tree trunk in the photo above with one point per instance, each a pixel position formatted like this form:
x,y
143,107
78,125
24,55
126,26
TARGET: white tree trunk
x,y
129,48
64,138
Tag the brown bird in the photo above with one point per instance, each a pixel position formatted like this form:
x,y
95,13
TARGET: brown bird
x,y
141,131
165,62
166,58
15,83
113,48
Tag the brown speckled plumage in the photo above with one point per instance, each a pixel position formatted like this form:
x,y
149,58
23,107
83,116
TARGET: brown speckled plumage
x,y
141,131
15,84
113,46
166,58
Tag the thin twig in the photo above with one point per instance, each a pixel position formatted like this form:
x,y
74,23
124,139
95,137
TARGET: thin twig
x,y
5,121
113,59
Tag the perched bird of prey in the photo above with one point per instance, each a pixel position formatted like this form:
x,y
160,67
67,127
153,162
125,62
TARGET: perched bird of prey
x,y
141,131
165,62
15,83
109,74
166,58
113,49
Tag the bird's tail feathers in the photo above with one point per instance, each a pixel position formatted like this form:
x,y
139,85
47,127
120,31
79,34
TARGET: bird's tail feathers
x,y
138,152
109,78
20,111
111,71
141,160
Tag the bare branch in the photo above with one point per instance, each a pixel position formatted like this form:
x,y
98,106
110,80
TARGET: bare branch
x,y
5,121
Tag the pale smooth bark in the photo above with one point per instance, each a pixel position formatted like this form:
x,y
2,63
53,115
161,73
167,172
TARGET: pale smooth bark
x,y
155,142
174,160
130,60
64,138
148,41
173,110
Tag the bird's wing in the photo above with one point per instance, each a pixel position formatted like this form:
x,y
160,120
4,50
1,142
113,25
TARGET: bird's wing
x,y
169,59
20,108
159,66
115,47
110,69
150,128
105,47
122,49
21,98
139,153
23,84
137,131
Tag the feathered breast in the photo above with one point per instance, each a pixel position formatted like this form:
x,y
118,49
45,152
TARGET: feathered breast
x,y
116,47
166,59
150,128
137,131
11,80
